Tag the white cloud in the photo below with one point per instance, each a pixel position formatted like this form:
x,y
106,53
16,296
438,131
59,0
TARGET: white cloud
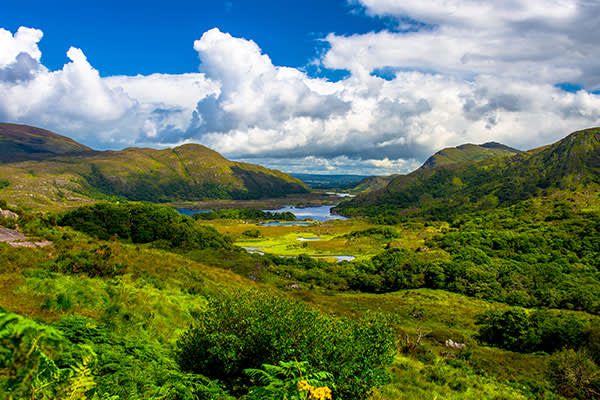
x,y
545,41
25,40
477,72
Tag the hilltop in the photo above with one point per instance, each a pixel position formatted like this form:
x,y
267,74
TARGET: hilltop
x,y
23,142
185,173
444,157
468,152
571,164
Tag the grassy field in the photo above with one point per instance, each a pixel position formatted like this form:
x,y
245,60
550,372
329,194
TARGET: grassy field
x,y
333,237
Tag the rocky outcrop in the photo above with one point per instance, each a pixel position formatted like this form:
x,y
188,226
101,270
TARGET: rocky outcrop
x,y
8,214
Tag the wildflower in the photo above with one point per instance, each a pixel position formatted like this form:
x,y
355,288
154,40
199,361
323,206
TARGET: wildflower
x,y
304,386
322,393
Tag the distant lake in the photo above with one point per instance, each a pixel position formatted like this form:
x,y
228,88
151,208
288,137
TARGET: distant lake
x,y
189,212
279,223
321,213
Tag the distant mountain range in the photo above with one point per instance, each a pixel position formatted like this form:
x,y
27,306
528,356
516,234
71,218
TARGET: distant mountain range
x,y
40,167
324,181
455,180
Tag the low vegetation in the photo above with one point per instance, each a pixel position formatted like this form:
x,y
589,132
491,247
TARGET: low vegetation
x,y
492,299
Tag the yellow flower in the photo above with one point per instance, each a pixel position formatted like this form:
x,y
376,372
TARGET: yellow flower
x,y
304,385
322,393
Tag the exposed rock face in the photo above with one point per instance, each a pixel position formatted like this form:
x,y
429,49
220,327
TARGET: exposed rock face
x,y
8,214
16,239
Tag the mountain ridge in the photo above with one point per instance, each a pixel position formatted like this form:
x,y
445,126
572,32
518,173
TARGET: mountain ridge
x,y
185,173
571,164
24,142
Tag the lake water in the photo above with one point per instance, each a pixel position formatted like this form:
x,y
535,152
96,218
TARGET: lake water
x,y
279,223
189,212
338,258
321,213
256,250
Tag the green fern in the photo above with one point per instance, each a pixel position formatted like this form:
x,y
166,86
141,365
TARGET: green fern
x,y
27,366
277,382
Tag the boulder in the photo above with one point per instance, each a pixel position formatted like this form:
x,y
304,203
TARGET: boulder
x,y
8,214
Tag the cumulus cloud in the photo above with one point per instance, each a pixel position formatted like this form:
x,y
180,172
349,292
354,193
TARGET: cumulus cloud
x,y
464,71
536,40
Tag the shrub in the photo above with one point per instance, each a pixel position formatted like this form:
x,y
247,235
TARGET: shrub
x,y
289,380
246,329
517,330
574,374
98,261
252,233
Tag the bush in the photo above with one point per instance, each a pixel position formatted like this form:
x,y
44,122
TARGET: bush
x,y
385,232
517,330
252,233
246,329
574,374
98,261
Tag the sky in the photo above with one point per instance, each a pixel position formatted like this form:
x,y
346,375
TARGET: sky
x,y
349,86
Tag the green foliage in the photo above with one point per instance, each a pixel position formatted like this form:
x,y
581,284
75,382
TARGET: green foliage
x,y
252,233
574,374
285,381
143,223
245,214
385,232
242,330
4,183
446,191
519,330
30,362
96,261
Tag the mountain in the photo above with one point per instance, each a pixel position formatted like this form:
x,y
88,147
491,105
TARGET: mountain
x,y
447,156
189,172
22,142
370,183
324,181
571,164
468,152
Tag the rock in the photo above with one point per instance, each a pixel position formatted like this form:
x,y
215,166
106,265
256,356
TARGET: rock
x,y
8,214
455,345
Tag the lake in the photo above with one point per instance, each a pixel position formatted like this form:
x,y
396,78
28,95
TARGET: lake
x,y
189,212
321,213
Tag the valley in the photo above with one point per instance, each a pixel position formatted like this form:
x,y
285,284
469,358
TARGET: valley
x,y
447,283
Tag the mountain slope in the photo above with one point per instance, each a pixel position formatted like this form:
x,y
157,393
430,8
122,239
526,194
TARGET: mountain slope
x,y
444,157
370,183
468,152
572,164
189,172
22,142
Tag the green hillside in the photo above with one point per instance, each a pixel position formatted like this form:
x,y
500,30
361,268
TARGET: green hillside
x,y
447,156
468,152
189,172
371,183
570,164
22,142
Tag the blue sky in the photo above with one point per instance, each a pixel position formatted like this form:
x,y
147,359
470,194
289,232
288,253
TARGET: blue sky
x,y
143,37
357,86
